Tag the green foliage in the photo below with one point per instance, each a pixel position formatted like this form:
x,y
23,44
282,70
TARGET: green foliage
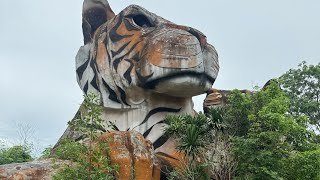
x,y
88,164
195,136
215,120
46,153
69,172
192,171
90,122
176,124
236,115
304,165
77,173
91,161
271,135
191,132
191,143
70,150
303,87
15,154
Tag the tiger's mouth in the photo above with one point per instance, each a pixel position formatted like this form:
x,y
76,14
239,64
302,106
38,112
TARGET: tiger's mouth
x,y
191,74
181,84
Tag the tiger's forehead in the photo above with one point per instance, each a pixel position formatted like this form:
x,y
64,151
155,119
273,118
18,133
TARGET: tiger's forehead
x,y
138,10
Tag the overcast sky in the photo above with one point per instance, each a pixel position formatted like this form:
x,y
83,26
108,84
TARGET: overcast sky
x,y
256,41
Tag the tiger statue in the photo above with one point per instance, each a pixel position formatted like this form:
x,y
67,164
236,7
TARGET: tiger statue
x,y
142,67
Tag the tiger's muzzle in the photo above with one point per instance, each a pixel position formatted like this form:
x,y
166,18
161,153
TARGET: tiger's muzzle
x,y
179,59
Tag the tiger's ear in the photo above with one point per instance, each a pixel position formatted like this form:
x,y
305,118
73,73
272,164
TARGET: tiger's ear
x,y
94,14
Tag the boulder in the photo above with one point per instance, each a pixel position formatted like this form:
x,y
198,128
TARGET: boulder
x,y
130,150
219,98
35,170
134,155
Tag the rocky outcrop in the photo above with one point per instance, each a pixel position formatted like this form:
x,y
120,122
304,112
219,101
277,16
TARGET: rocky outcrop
x,y
129,150
218,98
134,155
36,170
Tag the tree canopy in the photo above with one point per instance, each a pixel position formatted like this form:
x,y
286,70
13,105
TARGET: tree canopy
x,y
15,154
303,88
269,142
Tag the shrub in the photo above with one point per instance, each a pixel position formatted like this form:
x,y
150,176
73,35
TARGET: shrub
x,y
90,161
15,154
201,138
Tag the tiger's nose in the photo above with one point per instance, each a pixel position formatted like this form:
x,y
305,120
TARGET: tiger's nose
x,y
199,35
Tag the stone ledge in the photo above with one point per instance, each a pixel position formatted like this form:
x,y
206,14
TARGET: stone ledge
x,y
35,170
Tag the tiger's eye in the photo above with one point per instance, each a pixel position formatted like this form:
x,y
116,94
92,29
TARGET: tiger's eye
x,y
142,21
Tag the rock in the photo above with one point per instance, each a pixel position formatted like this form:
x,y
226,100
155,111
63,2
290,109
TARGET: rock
x,y
130,150
134,155
35,170
218,98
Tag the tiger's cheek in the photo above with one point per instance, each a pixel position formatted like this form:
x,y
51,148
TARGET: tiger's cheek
x,y
102,57
126,71
131,36
138,51
122,30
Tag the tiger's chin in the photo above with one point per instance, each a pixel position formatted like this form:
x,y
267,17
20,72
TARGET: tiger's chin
x,y
181,85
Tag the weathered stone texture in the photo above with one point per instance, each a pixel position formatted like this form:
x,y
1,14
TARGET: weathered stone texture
x,y
35,170
130,150
133,154
218,98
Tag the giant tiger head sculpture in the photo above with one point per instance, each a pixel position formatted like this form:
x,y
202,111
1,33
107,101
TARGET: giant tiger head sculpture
x,y
129,57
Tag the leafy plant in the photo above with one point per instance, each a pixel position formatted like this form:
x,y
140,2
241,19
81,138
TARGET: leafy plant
x,y
70,150
15,154
91,160
304,165
195,138
96,160
191,143
271,137
236,113
303,87
46,152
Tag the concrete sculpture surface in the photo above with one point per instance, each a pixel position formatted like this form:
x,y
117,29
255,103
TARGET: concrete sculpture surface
x,y
142,67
